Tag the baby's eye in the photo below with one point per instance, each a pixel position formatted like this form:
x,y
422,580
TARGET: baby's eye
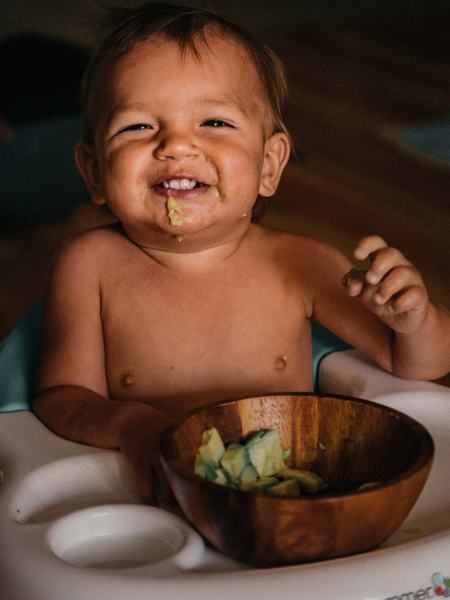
x,y
135,127
215,123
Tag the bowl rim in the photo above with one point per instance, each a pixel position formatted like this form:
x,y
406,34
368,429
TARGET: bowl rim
x,y
425,459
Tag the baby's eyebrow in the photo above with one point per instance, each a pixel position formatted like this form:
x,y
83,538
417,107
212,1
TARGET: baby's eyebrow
x,y
223,103
124,108
121,110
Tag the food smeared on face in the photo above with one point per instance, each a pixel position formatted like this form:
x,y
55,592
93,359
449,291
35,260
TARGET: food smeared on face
x,y
174,212
215,192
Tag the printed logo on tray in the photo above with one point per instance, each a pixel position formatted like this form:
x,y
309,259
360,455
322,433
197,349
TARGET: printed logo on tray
x,y
440,587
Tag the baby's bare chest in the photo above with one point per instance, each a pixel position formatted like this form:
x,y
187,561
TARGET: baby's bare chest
x,y
205,338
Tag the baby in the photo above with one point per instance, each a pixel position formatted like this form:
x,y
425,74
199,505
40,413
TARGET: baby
x,y
186,300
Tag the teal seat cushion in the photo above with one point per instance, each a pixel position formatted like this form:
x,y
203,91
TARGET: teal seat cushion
x,y
324,343
19,354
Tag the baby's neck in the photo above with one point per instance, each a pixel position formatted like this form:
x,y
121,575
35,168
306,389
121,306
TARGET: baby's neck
x,y
193,258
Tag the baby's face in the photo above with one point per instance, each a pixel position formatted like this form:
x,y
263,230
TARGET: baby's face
x,y
197,131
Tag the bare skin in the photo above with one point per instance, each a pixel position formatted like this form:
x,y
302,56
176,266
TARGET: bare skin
x,y
146,320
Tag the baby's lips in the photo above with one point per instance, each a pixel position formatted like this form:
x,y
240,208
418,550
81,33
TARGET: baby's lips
x,y
352,276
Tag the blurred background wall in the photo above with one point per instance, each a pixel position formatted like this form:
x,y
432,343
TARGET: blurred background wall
x,y
72,19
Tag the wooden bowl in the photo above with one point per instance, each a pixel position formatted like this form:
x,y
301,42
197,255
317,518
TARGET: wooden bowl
x,y
347,441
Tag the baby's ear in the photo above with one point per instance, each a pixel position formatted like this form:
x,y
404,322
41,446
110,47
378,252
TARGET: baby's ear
x,y
276,155
88,167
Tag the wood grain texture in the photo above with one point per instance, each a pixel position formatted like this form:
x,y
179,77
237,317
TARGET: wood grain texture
x,y
346,441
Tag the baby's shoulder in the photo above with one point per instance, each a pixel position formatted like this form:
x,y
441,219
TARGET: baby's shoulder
x,y
94,240
91,249
301,250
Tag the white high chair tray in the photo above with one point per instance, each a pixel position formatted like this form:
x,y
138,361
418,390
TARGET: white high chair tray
x,y
70,528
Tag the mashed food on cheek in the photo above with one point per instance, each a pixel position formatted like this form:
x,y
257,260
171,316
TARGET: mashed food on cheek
x,y
174,212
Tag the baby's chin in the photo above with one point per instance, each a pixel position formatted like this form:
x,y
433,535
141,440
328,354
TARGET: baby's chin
x,y
189,218
195,234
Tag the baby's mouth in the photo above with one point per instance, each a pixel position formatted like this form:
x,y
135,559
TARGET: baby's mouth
x,y
183,196
179,186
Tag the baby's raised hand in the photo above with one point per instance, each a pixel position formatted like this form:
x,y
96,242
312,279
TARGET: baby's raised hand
x,y
391,287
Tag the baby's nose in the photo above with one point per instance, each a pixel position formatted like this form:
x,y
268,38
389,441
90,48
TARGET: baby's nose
x,y
176,145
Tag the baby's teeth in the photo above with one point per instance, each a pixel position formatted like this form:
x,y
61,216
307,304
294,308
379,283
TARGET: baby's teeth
x,y
179,184
187,184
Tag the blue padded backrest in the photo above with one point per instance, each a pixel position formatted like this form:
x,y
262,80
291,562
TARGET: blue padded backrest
x,y
19,355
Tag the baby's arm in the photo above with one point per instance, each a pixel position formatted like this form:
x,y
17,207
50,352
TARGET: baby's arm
x,y
393,290
73,398
83,416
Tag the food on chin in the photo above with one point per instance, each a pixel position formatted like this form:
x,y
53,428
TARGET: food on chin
x,y
174,212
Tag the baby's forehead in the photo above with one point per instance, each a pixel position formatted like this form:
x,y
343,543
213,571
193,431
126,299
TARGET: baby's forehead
x,y
205,48
211,49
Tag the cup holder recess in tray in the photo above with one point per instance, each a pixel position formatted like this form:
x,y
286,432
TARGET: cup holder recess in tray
x,y
69,484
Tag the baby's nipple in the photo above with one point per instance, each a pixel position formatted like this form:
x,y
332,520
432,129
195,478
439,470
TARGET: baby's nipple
x,y
281,363
127,380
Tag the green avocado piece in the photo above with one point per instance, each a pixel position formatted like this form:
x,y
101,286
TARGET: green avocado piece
x,y
209,471
290,487
367,486
287,454
309,482
248,476
220,477
263,484
212,448
234,460
204,469
265,452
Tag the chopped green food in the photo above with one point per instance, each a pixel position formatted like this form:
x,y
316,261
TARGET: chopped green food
x,y
212,448
258,464
234,461
287,454
248,476
415,531
308,481
367,486
290,487
263,484
265,452
202,468
220,477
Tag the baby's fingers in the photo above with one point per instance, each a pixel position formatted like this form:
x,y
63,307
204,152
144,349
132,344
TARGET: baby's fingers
x,y
398,279
402,289
367,246
387,260
411,300
353,281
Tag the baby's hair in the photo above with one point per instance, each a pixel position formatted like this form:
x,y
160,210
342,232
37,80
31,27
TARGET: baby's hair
x,y
188,26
